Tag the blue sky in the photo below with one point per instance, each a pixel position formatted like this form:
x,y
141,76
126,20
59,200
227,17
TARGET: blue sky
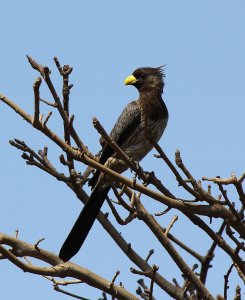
x,y
202,45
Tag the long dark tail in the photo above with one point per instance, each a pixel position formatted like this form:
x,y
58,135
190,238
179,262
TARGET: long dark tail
x,y
83,223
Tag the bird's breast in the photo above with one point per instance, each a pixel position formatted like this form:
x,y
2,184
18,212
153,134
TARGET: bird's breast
x,y
137,145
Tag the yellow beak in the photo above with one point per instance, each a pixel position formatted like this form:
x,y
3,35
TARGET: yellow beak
x,y
130,80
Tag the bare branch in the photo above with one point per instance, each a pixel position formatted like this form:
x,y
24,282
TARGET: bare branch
x,y
184,246
36,87
175,218
231,180
179,178
238,293
226,277
58,289
45,73
230,233
224,193
154,270
57,269
48,103
47,118
151,252
114,278
206,260
117,216
158,214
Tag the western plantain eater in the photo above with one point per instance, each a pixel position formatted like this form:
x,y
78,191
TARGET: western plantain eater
x,y
129,133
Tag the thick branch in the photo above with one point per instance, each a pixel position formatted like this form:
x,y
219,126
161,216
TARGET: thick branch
x,y
57,269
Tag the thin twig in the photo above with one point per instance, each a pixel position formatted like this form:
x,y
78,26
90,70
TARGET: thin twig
x,y
206,260
58,289
38,242
48,103
122,202
154,270
230,233
231,180
238,293
175,218
179,178
65,71
114,278
226,277
36,87
184,246
117,216
151,252
47,118
228,202
158,214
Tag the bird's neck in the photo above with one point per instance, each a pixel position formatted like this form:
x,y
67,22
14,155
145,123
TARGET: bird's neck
x,y
151,93
156,89
152,104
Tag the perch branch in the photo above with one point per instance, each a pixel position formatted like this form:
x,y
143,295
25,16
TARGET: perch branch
x,y
57,269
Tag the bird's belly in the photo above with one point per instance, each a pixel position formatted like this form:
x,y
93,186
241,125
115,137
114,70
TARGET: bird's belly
x,y
138,146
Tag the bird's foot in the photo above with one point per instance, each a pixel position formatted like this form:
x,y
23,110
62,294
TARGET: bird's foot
x,y
138,168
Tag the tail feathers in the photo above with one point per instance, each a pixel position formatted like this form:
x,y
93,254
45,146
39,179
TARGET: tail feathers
x,y
83,223
92,182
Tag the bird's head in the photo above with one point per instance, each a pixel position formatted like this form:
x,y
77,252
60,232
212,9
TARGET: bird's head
x,y
147,79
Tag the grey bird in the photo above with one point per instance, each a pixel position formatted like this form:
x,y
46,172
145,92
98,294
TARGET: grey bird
x,y
129,133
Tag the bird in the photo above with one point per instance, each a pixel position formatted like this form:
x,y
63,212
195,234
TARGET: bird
x,y
130,135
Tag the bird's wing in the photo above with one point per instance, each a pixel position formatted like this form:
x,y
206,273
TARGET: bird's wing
x,y
127,121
